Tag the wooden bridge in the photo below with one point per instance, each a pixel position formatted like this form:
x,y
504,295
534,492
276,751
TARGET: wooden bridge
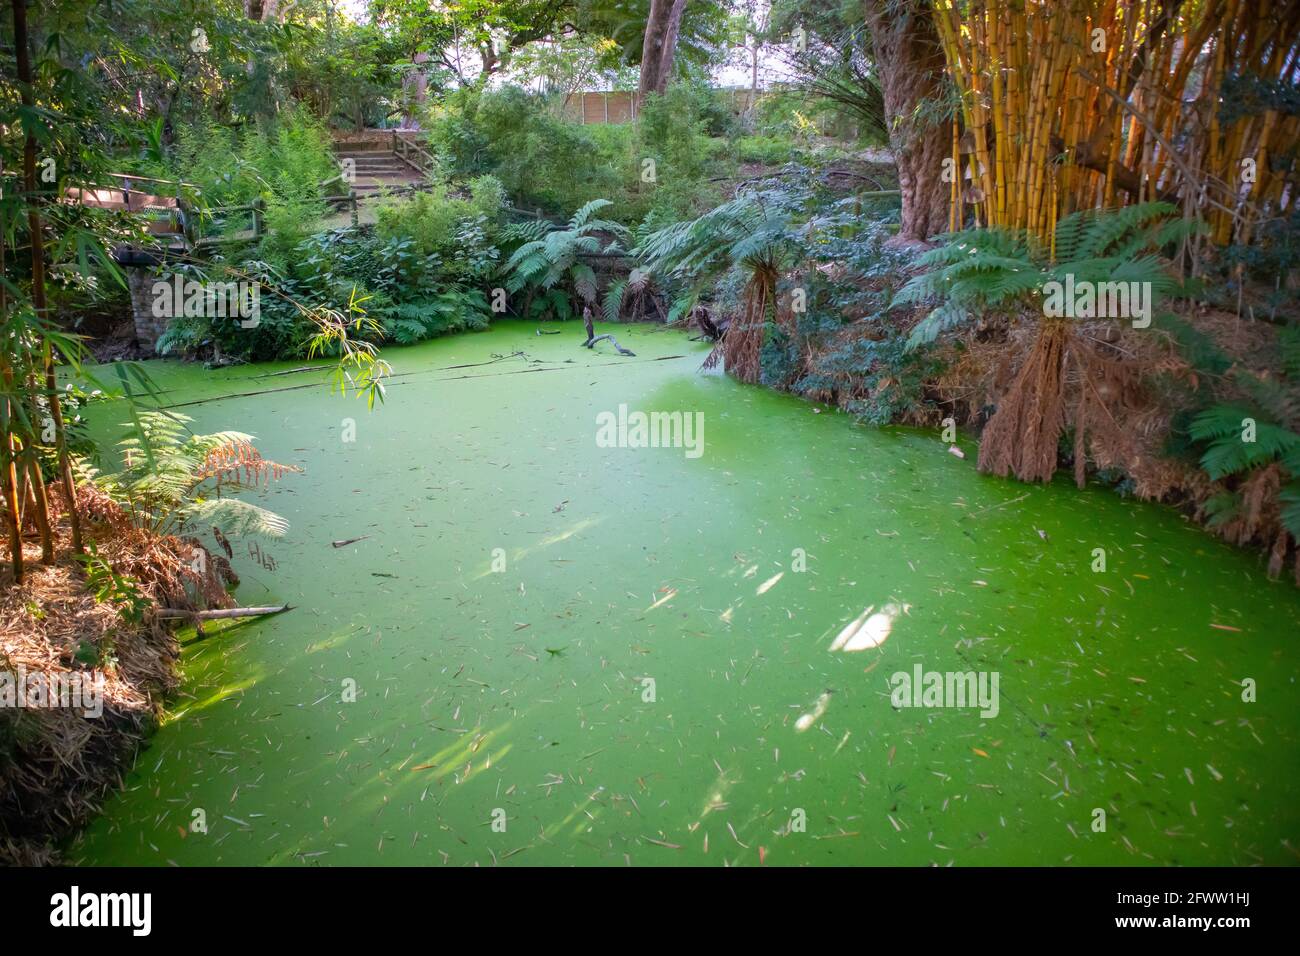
x,y
181,228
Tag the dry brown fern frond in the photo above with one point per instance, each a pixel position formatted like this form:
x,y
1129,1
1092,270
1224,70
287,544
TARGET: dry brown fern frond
x,y
238,463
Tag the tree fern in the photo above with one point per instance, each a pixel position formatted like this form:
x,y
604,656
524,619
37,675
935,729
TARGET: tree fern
x,y
980,270
172,479
549,258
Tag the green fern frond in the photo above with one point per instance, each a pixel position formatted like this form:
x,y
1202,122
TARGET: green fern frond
x,y
1104,231
682,305
614,299
582,215
945,317
405,331
235,517
1224,429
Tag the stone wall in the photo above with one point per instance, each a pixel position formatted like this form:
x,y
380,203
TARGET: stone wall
x,y
148,327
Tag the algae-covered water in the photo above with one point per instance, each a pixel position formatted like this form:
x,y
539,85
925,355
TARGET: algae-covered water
x,y
571,654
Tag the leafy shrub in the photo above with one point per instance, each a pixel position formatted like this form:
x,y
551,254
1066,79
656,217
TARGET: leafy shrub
x,y
109,587
547,162
283,160
673,131
768,150
455,231
540,159
456,310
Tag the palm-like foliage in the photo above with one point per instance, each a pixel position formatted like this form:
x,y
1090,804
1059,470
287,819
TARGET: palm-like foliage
x,y
758,232
984,269
549,260
755,231
172,480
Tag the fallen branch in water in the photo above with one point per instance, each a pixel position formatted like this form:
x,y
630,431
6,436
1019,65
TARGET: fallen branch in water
x,y
591,344
975,514
295,371
172,612
593,338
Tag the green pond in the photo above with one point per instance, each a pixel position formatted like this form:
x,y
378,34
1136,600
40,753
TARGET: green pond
x,y
564,653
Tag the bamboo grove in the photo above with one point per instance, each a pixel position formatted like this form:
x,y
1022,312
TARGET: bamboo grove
x,y
1077,104
33,434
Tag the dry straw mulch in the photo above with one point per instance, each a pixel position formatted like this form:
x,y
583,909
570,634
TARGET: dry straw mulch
x,y
56,765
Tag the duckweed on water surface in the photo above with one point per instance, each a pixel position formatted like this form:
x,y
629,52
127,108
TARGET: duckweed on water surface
x,y
563,653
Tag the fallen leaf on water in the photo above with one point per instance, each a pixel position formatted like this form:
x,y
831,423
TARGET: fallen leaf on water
x,y
979,752
672,593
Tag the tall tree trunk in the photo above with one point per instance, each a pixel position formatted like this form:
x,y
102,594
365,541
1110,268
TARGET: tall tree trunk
x,y
660,45
669,51
910,64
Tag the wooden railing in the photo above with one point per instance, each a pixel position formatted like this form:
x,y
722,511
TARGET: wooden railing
x,y
348,199
413,154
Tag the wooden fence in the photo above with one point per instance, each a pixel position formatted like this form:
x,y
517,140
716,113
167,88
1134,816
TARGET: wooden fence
x,y
621,106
